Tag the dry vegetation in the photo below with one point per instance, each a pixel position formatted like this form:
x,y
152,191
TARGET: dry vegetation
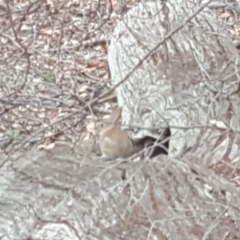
x,y
54,88
53,70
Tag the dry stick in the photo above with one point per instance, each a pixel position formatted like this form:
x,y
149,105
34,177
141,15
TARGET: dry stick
x,y
207,126
96,100
24,52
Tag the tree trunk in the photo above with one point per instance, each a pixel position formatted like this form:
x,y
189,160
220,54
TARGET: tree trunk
x,y
188,79
58,194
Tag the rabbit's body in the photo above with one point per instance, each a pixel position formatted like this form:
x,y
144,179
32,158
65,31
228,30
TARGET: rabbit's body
x,y
115,143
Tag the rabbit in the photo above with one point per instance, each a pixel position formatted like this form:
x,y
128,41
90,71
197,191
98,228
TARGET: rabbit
x,y
115,142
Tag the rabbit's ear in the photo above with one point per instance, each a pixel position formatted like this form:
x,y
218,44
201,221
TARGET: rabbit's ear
x,y
116,115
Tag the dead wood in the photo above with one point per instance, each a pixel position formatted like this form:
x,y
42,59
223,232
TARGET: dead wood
x,y
61,193
178,68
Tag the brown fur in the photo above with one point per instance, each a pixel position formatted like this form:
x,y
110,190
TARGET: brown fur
x,y
115,142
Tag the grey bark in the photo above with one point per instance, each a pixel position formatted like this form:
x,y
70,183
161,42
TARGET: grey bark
x,y
66,194
63,194
190,82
